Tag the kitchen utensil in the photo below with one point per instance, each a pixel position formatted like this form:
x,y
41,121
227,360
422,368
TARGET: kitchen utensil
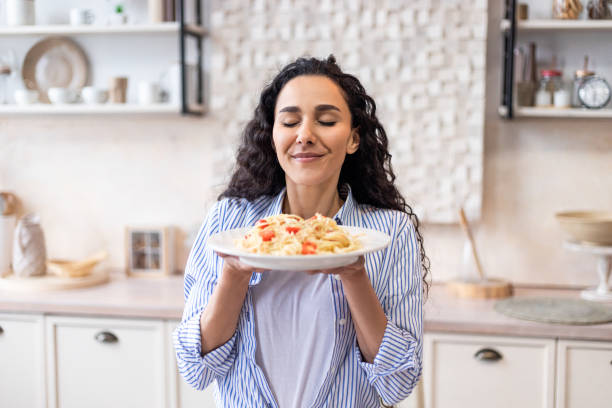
x,y
61,95
92,95
25,96
80,16
594,92
20,12
587,227
118,89
482,287
55,62
604,264
29,251
73,269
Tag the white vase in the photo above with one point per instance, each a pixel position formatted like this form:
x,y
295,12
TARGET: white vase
x,y
29,251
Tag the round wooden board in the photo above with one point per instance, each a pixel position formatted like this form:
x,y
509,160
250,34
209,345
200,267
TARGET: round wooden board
x,y
480,289
52,282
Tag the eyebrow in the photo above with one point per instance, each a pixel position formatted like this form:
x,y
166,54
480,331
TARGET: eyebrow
x,y
318,108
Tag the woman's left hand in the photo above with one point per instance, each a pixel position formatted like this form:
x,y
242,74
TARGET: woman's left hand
x,y
354,270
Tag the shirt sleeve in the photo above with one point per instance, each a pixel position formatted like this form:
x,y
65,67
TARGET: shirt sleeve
x,y
397,365
201,274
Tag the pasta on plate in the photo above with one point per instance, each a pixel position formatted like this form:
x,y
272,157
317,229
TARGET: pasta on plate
x,y
287,234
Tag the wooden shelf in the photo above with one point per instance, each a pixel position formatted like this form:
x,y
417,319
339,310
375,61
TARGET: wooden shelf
x,y
529,112
108,108
62,29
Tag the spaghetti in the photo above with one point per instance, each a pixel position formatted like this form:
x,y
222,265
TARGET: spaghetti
x,y
287,234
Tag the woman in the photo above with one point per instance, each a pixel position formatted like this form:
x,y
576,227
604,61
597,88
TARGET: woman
x,y
345,337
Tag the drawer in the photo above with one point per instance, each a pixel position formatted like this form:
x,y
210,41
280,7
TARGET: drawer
x,y
584,374
22,362
488,371
105,362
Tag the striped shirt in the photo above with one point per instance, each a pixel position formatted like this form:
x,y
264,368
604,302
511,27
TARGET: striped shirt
x,y
395,274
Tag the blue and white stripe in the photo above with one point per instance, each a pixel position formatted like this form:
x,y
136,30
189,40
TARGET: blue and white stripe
x,y
395,274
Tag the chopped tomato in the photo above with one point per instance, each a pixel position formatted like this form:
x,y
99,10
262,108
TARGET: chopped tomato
x,y
309,248
262,226
292,230
266,235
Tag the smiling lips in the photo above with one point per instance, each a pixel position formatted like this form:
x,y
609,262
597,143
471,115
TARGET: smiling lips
x,y
305,157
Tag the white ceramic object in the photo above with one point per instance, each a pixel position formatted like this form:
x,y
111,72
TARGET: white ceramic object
x,y
20,12
7,228
371,241
25,96
29,250
81,16
61,95
148,92
93,96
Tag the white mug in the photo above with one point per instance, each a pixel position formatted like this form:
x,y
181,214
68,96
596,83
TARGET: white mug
x,y
19,12
148,92
93,95
79,16
25,96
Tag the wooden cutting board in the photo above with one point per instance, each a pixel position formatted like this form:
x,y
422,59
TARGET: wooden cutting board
x,y
53,282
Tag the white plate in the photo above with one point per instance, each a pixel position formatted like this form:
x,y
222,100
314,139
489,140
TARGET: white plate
x,y
371,241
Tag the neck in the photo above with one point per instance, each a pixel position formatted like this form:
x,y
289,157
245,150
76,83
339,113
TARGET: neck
x,y
305,201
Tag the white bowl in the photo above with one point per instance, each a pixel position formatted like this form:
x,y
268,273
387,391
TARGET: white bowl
x,y
93,95
25,96
61,95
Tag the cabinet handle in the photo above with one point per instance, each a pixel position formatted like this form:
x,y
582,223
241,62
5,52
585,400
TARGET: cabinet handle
x,y
2,331
487,354
106,337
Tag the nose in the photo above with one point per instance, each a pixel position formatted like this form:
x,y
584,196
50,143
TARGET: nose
x,y
305,134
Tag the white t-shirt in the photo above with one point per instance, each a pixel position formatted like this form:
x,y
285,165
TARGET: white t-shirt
x,y
294,330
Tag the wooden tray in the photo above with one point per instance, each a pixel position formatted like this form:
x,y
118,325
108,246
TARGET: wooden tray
x,y
53,282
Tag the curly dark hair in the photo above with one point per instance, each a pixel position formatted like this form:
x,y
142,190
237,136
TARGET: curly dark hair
x,y
258,171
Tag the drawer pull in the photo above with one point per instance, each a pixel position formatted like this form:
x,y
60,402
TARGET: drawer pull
x,y
487,354
106,337
1,330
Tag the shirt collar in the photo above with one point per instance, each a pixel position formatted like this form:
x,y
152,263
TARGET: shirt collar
x,y
345,214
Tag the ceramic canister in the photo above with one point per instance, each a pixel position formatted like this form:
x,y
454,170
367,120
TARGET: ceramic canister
x,y
29,251
7,228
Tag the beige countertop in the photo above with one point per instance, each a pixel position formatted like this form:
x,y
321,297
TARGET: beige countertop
x,y
162,298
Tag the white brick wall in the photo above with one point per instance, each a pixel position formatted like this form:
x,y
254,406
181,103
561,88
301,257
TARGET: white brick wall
x,y
423,61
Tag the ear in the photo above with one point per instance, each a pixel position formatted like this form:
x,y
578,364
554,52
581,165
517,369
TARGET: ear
x,y
353,143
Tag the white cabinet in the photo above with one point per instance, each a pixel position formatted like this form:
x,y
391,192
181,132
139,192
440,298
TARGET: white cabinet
x,y
183,395
488,371
584,374
22,362
97,362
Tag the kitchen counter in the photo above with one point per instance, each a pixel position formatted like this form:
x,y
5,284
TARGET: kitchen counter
x,y
162,298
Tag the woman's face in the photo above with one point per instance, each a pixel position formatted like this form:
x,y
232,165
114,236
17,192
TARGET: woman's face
x,y
312,130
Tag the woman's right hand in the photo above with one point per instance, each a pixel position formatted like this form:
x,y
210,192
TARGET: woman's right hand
x,y
236,270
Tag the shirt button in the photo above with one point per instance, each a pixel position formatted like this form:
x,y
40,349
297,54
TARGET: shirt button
x,y
342,322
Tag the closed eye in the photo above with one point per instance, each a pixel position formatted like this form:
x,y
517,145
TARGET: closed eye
x,y
290,125
332,123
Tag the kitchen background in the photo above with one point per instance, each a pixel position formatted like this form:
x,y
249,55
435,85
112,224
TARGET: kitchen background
x,y
90,176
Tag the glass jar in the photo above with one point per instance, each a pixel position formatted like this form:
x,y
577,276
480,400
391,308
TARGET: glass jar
x,y
566,9
550,82
579,77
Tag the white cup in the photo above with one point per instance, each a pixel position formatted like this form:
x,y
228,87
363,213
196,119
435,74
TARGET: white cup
x,y
25,96
61,95
93,95
148,92
80,16
20,12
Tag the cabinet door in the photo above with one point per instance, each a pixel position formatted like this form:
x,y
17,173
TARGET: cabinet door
x,y
22,362
103,363
488,371
182,395
584,374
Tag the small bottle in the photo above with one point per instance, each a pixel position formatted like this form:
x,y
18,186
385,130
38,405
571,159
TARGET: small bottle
x,y
562,96
550,82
